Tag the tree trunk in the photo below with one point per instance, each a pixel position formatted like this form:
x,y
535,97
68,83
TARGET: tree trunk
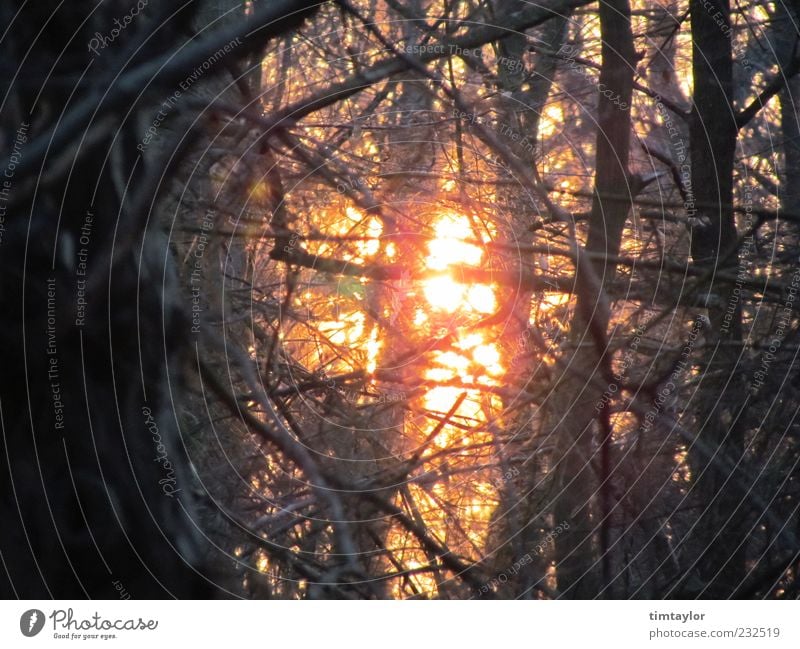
x,y
718,556
576,396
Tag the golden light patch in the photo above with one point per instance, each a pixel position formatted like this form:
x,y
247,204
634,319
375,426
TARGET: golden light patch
x,y
444,293
449,247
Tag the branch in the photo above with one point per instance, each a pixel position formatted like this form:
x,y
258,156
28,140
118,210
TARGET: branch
x,y
380,272
744,116
268,21
479,36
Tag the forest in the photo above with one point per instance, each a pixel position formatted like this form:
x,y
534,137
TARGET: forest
x,y
400,299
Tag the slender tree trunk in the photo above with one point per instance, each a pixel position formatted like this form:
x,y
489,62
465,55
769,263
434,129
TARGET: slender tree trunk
x,y
785,40
718,557
520,516
574,407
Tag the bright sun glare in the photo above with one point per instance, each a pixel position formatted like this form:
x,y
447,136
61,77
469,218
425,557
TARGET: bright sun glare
x,y
450,248
477,362
473,362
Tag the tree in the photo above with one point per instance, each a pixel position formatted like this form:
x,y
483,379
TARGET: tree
x,y
407,300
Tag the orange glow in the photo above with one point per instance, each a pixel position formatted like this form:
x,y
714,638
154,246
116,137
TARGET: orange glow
x,y
489,357
471,364
453,360
552,118
444,293
348,329
373,349
449,248
481,298
469,341
455,282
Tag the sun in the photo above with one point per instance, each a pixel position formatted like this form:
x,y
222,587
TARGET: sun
x,y
450,248
458,379
475,361
444,293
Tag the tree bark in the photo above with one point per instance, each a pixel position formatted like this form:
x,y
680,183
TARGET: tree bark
x,y
577,394
718,557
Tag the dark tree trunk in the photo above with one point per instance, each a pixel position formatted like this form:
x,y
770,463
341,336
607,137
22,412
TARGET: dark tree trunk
x,y
719,555
575,549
